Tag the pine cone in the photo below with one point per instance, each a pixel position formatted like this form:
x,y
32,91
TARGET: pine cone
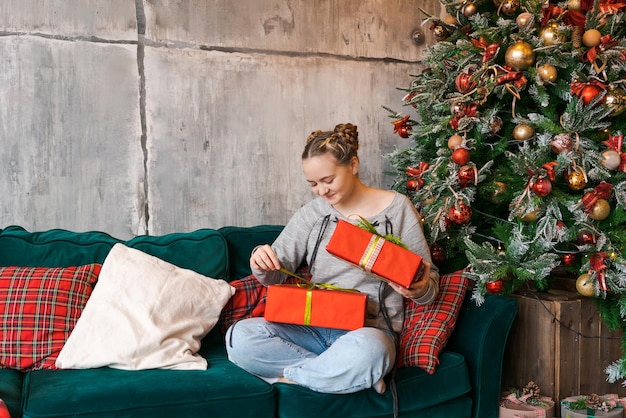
x,y
576,37
531,389
593,401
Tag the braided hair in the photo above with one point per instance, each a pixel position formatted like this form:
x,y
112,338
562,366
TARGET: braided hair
x,y
342,143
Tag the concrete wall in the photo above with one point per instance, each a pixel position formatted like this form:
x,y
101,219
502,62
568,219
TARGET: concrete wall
x,y
158,116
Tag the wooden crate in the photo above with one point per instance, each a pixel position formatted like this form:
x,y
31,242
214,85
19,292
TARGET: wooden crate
x,y
559,341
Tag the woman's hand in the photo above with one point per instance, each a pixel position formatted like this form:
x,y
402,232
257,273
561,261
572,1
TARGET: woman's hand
x,y
418,288
264,258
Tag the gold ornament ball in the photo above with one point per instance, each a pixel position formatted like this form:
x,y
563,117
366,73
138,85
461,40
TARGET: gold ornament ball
x,y
523,132
551,35
600,210
519,56
469,9
591,38
611,159
573,5
576,180
616,100
528,217
499,189
547,72
450,20
523,19
455,141
585,286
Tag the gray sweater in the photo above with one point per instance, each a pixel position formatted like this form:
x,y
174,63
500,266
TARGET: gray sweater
x,y
297,241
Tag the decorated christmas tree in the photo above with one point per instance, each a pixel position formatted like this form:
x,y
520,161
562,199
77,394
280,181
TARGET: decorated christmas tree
x,y
514,152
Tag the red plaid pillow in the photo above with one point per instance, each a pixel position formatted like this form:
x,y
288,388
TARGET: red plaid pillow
x,y
38,310
427,327
247,302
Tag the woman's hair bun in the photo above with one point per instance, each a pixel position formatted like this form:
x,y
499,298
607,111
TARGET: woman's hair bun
x,y
348,132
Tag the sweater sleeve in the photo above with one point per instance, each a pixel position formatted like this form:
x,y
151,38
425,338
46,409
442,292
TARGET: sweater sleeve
x,y
412,235
290,246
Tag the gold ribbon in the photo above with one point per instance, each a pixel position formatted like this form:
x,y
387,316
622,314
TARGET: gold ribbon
x,y
308,303
308,307
304,283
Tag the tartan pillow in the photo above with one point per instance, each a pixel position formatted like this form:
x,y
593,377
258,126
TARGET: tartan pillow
x,y
247,302
39,307
427,327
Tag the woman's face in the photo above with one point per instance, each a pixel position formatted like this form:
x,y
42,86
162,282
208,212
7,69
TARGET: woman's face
x,y
328,179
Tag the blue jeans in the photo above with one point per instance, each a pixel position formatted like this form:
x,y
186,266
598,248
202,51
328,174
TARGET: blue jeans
x,y
322,359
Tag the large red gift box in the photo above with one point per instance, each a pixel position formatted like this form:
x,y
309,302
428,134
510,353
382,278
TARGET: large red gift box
x,y
374,254
308,305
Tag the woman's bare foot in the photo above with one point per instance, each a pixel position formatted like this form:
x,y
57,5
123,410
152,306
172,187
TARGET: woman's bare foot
x,y
380,386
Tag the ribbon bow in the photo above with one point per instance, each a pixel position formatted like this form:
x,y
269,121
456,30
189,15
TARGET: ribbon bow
x,y
417,172
489,51
601,191
597,264
302,282
401,126
610,6
511,76
615,143
550,169
575,18
591,55
550,12
469,110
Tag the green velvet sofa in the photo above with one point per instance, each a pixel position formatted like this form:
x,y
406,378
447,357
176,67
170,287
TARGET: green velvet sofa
x,y
466,383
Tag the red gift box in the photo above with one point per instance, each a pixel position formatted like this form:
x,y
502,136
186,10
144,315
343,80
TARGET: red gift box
x,y
374,254
308,305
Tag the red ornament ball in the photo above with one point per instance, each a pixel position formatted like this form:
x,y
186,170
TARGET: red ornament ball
x,y
568,259
464,82
586,237
495,286
404,131
466,175
412,185
589,92
460,156
460,213
542,187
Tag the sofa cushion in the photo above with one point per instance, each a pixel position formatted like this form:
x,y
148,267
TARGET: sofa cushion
x,y
53,248
222,390
203,250
440,395
241,241
11,390
39,307
145,313
427,328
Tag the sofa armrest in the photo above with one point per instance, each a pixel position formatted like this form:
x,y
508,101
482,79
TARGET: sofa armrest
x,y
480,336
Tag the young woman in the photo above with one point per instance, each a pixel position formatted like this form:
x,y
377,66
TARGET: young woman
x,y
325,359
